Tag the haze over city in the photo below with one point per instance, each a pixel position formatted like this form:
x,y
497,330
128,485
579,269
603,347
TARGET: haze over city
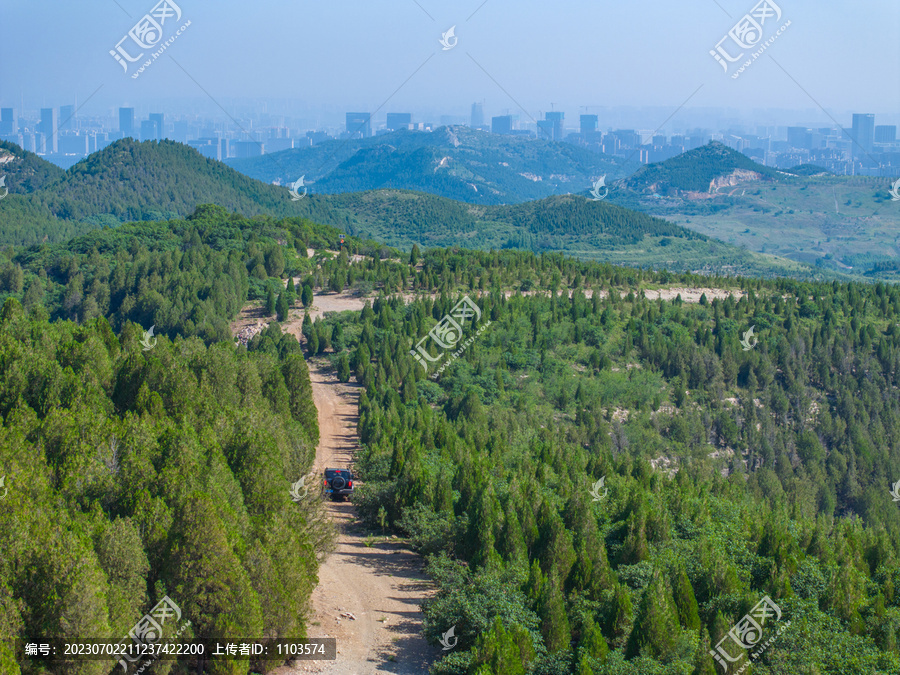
x,y
324,58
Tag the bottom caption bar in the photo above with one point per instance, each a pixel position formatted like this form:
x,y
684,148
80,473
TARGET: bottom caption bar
x,y
131,652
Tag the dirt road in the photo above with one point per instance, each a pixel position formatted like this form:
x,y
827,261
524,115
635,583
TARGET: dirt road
x,y
379,582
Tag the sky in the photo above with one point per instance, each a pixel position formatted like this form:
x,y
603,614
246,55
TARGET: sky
x,y
525,57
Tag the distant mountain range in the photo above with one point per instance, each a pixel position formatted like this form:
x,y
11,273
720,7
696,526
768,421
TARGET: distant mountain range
x,y
455,162
151,181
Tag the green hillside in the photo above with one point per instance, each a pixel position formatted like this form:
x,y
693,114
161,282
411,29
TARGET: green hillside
x,y
843,223
25,171
157,181
569,224
600,482
694,171
609,484
455,162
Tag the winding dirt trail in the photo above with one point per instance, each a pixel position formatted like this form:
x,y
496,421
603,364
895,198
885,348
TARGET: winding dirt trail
x,y
381,584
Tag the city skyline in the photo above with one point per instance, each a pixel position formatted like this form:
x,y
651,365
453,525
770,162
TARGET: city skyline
x,y
861,147
528,59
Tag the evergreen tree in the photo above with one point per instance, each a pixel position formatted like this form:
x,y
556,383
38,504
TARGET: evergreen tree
x,y
703,662
343,368
554,622
685,601
282,307
656,625
592,642
306,295
501,650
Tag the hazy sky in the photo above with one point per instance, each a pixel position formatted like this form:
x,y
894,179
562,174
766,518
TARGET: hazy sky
x,y
354,54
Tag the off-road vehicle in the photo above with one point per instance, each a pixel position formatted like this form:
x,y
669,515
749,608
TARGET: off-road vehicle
x,y
338,484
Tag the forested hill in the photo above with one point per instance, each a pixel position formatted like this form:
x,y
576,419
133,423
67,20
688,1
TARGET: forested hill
x,y
155,181
140,470
24,171
138,181
607,484
695,170
134,473
454,161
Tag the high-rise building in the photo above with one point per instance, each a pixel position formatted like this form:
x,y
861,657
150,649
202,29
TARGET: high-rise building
x,y
160,120
181,132
8,122
244,149
863,135
126,121
398,121
799,138
589,124
545,130
556,125
359,124
72,144
208,147
67,118
149,130
477,117
49,127
316,137
885,133
501,124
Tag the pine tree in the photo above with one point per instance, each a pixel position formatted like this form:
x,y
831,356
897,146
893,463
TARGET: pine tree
x,y
296,379
503,651
202,559
620,617
685,601
656,625
592,642
703,662
270,302
282,307
554,622
343,368
306,295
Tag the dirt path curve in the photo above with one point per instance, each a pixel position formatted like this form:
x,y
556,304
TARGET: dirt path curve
x,y
381,584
